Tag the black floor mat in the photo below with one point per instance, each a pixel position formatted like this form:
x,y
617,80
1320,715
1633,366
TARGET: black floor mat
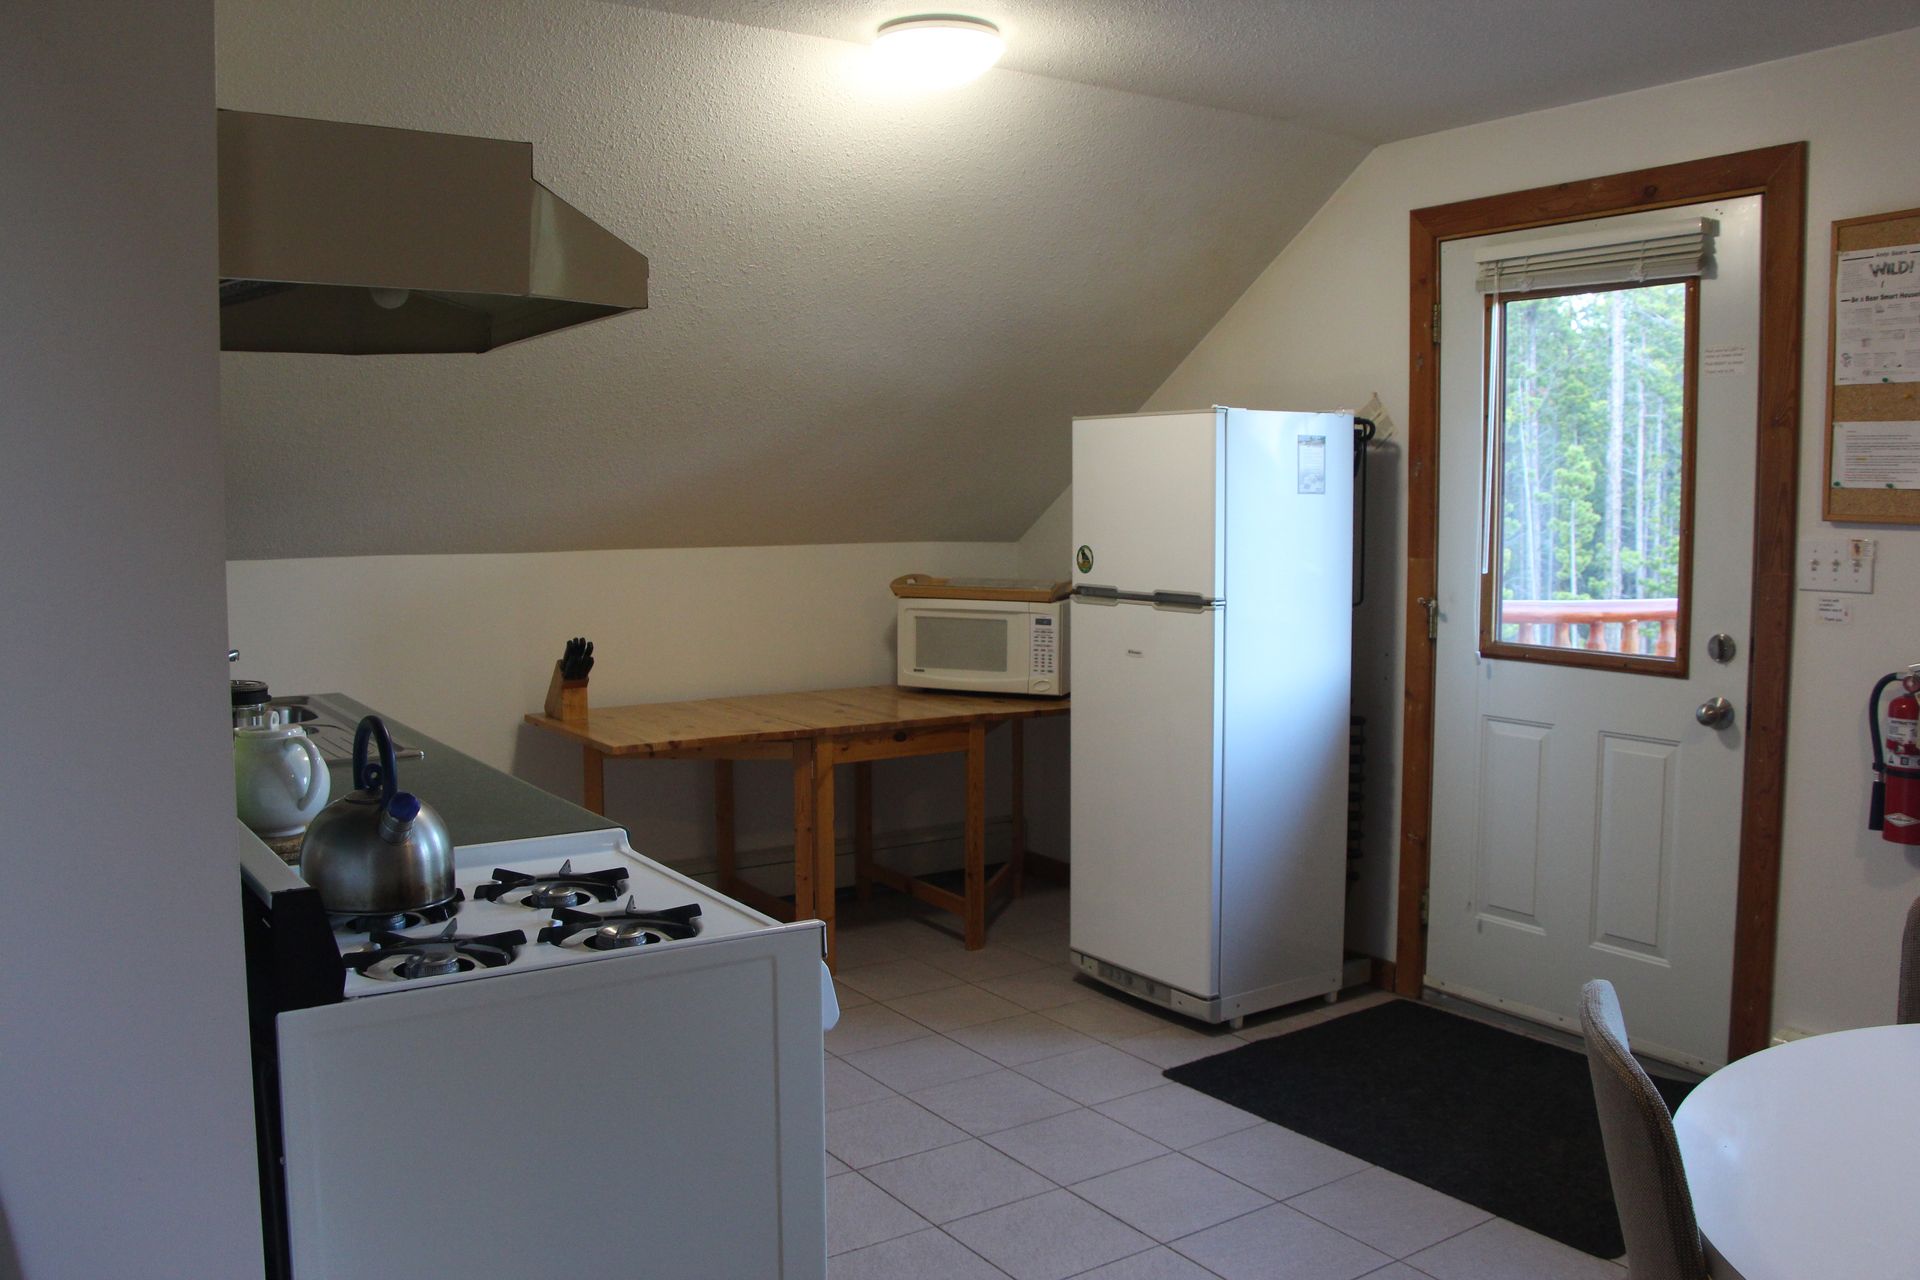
x,y
1496,1119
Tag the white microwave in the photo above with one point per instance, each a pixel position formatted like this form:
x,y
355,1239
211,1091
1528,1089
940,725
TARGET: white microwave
x,y
983,646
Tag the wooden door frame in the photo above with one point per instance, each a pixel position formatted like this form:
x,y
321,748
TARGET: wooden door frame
x,y
1778,176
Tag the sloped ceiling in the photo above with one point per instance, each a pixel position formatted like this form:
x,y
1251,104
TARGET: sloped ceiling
x,y
872,316
871,319
1373,69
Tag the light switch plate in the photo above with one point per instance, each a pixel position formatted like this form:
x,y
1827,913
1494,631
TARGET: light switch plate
x,y
1837,564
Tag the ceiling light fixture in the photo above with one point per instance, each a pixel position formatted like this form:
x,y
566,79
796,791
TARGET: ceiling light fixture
x,y
937,50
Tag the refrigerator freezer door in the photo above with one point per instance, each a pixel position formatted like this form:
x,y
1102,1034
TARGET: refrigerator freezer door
x,y
1145,772
1146,502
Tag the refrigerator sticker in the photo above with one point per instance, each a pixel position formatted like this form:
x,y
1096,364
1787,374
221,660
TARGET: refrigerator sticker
x,y
1313,464
1084,558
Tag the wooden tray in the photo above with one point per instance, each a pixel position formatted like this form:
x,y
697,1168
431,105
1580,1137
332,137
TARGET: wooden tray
x,y
924,586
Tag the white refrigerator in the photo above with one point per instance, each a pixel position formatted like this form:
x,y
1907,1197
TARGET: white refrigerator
x,y
1211,645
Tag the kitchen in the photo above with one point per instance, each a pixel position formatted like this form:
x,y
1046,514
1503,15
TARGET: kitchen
x,y
127,432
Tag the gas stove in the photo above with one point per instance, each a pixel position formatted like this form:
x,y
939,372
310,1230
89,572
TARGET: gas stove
x,y
572,966
532,904
519,906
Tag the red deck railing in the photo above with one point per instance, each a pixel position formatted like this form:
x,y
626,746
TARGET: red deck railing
x,y
1608,626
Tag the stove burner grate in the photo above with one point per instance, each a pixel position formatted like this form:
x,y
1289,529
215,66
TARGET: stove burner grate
x,y
565,888
618,930
395,957
393,922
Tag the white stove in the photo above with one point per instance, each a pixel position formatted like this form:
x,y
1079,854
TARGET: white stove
x,y
425,1099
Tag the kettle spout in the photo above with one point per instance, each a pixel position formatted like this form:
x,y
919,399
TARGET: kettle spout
x,y
396,823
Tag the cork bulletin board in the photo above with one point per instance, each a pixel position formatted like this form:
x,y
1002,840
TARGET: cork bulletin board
x,y
1873,371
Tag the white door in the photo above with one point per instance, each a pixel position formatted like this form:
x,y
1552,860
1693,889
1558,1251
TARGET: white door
x,y
1586,822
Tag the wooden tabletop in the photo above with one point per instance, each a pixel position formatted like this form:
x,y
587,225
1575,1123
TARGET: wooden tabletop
x,y
654,728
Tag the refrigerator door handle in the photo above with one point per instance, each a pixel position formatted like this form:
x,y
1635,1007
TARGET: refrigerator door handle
x,y
1159,599
1113,595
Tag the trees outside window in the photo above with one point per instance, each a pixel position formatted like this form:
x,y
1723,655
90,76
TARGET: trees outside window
x,y
1591,470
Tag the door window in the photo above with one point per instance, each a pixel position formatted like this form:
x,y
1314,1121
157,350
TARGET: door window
x,y
1590,395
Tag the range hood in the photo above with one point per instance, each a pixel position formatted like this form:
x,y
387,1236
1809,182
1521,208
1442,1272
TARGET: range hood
x,y
354,239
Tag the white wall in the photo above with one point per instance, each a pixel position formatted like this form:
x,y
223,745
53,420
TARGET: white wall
x,y
1326,323
126,1119
462,648
1046,551
1046,548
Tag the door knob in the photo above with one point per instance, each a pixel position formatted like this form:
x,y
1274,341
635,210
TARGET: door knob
x,y
1715,713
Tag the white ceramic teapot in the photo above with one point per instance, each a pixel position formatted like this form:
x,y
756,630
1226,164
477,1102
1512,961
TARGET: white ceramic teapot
x,y
279,779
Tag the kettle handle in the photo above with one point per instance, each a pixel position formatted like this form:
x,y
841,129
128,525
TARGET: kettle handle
x,y
378,776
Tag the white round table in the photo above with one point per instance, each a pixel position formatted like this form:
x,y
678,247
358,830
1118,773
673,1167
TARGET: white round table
x,y
1804,1159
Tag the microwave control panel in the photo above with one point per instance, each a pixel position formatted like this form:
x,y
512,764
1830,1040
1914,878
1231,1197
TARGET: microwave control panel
x,y
1045,645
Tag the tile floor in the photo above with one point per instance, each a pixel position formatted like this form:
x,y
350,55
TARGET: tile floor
x,y
991,1115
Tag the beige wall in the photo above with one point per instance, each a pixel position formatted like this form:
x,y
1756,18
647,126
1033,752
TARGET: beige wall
x,y
1046,548
126,1113
1326,324
1045,551
462,647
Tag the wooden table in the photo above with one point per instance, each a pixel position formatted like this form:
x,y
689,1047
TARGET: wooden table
x,y
1804,1159
816,731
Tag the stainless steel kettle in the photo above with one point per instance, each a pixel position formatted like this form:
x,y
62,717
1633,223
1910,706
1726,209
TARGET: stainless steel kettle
x,y
377,850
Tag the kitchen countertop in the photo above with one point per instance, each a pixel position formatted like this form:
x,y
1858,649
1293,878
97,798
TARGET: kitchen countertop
x,y
478,802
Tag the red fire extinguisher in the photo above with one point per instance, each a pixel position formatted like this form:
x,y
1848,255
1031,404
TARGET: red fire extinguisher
x,y
1895,812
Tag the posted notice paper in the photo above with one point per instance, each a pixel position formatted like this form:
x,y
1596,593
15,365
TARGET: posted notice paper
x,y
1876,316
1876,455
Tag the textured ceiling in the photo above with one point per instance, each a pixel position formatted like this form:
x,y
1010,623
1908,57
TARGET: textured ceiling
x,y
872,317
1374,69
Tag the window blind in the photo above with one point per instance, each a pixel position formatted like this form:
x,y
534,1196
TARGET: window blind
x,y
1597,258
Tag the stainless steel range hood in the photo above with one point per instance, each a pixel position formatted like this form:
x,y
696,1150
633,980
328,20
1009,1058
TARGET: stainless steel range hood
x,y
360,240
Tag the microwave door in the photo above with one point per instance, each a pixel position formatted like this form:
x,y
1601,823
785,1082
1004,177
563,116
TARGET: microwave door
x,y
967,647
971,642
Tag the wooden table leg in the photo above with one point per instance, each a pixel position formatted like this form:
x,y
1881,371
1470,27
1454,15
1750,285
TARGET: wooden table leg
x,y
863,829
1017,852
824,869
976,890
803,818
593,786
723,850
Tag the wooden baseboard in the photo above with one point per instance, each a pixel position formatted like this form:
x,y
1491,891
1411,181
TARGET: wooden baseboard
x,y
1052,870
1383,973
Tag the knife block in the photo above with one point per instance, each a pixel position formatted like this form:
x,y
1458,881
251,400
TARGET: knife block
x,y
566,699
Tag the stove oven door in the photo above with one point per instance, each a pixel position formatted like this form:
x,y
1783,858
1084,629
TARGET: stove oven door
x,y
658,1112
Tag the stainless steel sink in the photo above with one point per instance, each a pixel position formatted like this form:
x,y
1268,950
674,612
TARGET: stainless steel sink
x,y
331,727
